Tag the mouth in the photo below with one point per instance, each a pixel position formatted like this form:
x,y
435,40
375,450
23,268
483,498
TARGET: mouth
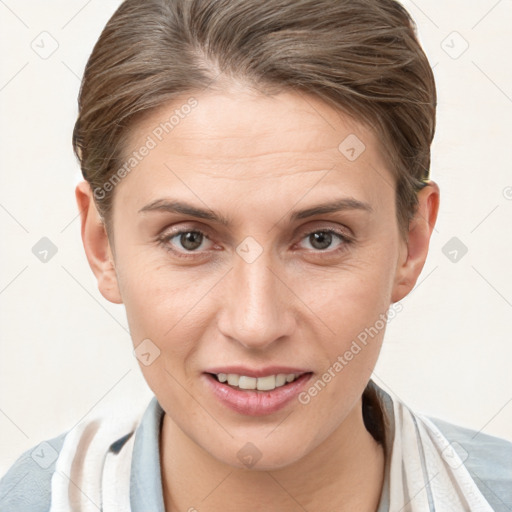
x,y
253,395
267,383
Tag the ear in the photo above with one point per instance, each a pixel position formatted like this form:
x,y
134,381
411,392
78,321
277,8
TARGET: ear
x,y
415,250
96,244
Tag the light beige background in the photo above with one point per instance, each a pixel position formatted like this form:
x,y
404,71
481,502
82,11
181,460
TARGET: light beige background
x,y
65,351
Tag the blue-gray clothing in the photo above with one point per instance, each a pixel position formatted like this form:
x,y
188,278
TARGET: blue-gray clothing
x,y
27,486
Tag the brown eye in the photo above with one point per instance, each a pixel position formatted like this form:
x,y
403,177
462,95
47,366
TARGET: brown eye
x,y
323,239
320,240
184,241
191,240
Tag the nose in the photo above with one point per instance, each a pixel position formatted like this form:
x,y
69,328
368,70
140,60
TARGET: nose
x,y
257,309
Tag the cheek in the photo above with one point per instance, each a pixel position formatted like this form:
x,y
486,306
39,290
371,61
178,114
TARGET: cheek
x,y
354,304
166,307
163,304
349,298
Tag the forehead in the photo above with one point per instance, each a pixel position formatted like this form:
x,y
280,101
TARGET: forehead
x,y
249,140
258,123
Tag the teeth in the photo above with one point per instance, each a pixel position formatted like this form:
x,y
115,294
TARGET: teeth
x,y
267,383
233,379
247,382
280,380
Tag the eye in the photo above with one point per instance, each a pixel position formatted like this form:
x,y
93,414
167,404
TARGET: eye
x,y
193,242
322,239
184,241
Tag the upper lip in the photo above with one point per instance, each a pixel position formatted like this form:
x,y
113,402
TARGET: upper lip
x,y
256,372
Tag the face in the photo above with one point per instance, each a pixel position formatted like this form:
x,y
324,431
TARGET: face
x,y
248,242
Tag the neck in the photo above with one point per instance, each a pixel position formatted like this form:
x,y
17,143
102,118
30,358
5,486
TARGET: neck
x,y
345,472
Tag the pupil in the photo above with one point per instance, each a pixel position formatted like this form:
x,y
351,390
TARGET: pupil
x,y
191,240
321,240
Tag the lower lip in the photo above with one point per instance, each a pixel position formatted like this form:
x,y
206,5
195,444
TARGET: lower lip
x,y
255,402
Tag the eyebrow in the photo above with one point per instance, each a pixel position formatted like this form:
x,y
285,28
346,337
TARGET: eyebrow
x,y
173,206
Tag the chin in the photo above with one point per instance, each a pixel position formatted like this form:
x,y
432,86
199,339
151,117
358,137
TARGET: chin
x,y
260,456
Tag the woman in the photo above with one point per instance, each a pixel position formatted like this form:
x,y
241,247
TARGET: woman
x,y
257,195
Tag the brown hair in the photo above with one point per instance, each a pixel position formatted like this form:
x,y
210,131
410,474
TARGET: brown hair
x,y
361,57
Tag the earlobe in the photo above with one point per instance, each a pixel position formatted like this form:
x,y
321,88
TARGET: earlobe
x,y
96,244
414,254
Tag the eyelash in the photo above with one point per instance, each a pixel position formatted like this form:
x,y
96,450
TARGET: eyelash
x,y
163,241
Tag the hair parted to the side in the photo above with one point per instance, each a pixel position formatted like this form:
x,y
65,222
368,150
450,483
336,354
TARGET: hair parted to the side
x,y
362,57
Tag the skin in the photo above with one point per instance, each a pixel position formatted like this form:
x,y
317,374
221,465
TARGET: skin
x,y
254,159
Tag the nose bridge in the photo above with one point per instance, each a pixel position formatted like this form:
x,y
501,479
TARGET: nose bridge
x,y
255,312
